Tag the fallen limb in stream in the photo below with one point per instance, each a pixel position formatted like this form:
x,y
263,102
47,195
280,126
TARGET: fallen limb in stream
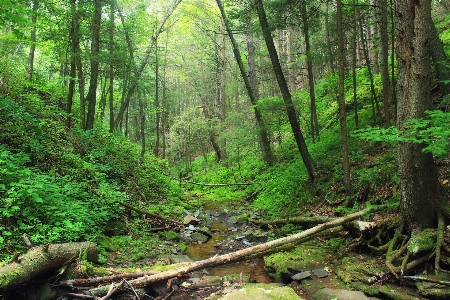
x,y
41,260
296,220
234,256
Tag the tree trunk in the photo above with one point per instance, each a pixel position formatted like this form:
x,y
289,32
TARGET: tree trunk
x,y
373,32
91,97
33,40
312,96
263,135
223,95
375,108
73,69
157,104
111,67
290,109
419,194
41,260
341,100
440,61
384,63
354,62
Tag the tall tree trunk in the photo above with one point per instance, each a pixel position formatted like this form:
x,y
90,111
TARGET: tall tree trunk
x,y
263,135
73,69
375,107
312,96
354,61
111,66
439,60
290,109
223,95
328,40
393,85
419,194
157,105
290,60
33,40
91,97
384,63
142,125
373,39
341,100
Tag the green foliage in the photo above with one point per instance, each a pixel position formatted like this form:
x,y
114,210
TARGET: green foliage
x,y
432,132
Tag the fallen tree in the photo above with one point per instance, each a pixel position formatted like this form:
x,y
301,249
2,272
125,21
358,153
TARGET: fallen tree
x,y
296,220
234,256
41,260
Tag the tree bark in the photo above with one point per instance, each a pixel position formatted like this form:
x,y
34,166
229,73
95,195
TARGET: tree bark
x,y
40,260
111,66
341,100
230,257
263,134
73,69
419,196
91,97
312,95
290,109
439,60
384,62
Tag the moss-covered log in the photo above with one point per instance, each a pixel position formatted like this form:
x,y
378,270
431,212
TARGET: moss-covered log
x,y
42,260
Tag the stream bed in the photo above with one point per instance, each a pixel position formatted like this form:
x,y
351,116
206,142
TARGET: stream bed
x,y
225,232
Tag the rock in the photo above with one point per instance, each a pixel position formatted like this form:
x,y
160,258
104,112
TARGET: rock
x,y
190,220
116,227
175,259
320,273
398,293
262,291
302,275
327,293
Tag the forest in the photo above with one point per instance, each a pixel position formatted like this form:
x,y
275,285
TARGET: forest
x,y
220,149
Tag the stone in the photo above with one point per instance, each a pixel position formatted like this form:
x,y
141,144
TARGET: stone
x,y
190,220
339,294
262,291
302,275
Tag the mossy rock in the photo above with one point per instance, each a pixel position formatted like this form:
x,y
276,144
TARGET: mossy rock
x,y
303,257
434,290
262,291
398,293
171,235
182,247
107,243
422,241
353,268
198,237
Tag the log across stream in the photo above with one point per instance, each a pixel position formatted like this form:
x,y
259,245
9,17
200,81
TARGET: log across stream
x,y
222,229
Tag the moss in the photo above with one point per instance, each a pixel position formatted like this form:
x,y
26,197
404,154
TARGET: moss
x,y
422,241
107,243
171,235
303,257
262,291
182,247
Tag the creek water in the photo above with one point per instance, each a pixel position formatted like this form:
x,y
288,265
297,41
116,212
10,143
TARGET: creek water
x,y
253,268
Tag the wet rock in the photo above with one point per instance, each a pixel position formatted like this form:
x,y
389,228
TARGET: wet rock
x,y
327,293
261,291
320,273
190,220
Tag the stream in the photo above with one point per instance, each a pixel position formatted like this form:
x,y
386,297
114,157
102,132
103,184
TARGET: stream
x,y
223,230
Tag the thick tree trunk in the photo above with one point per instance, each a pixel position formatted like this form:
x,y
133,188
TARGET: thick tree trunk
x,y
290,109
91,97
40,260
263,135
157,102
417,171
341,100
111,67
73,69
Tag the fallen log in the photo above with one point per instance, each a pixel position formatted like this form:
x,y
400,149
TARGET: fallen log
x,y
296,220
41,260
230,257
167,220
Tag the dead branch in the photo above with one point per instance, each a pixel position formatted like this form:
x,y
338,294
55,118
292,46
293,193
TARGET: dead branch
x,y
296,220
230,257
